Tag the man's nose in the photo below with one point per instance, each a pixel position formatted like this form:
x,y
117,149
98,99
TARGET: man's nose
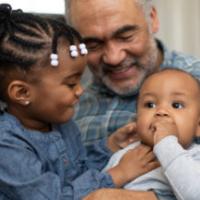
x,y
113,54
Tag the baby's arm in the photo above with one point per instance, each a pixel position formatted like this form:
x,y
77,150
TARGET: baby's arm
x,y
181,167
162,127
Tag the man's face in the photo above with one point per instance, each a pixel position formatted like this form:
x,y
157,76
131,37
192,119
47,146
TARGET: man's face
x,y
121,46
169,96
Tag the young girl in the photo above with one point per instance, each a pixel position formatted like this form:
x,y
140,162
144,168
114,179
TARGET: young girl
x,y
41,63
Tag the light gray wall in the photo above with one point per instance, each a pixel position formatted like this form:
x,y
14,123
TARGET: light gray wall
x,y
179,24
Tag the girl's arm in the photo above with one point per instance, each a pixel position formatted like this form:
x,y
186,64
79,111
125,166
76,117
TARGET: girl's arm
x,y
23,175
119,194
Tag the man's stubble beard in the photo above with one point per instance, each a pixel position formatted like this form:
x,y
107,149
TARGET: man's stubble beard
x,y
147,65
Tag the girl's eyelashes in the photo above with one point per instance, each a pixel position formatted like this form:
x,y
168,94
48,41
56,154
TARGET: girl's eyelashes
x,y
71,85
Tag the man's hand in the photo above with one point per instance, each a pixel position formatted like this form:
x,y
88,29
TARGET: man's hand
x,y
119,194
122,137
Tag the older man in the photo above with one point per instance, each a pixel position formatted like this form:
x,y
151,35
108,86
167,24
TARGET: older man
x,y
122,52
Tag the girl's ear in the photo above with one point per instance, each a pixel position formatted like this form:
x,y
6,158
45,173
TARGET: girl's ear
x,y
19,92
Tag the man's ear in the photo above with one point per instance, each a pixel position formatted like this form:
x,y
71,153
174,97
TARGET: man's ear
x,y
155,24
19,92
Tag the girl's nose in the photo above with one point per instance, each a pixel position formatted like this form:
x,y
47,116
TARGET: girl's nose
x,y
79,90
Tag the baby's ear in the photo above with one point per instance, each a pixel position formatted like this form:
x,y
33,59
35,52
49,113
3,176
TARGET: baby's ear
x,y
198,129
19,92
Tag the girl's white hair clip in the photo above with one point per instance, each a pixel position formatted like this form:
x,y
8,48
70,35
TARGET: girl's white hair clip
x,y
73,51
83,49
54,59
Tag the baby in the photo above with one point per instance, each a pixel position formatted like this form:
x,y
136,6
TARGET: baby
x,y
168,120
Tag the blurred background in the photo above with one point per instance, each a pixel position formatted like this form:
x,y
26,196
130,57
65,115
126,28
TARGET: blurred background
x,y
179,25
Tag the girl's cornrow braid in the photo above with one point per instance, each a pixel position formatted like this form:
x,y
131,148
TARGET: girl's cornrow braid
x,y
6,57
23,29
26,44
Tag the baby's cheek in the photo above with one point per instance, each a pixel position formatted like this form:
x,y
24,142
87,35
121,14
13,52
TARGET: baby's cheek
x,y
145,134
142,125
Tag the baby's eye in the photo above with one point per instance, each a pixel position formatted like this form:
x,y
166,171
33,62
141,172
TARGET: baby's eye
x,y
150,105
177,105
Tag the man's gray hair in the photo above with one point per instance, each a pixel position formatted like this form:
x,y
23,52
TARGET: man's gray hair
x,y
145,4
67,12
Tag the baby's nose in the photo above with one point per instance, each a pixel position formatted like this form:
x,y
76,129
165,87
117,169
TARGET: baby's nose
x,y
161,112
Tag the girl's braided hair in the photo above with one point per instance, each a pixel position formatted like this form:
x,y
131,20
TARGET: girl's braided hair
x,y
27,40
